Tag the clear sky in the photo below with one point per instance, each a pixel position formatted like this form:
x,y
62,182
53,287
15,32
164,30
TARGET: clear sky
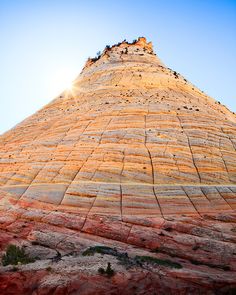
x,y
44,45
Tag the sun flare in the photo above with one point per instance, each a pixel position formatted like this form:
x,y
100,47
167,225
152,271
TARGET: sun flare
x,y
69,86
62,80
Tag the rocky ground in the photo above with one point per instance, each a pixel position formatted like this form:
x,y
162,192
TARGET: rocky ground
x,y
185,255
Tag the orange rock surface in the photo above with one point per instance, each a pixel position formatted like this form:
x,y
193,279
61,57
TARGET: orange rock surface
x,y
133,156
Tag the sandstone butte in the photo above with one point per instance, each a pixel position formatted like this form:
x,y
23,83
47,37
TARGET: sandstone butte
x,y
135,158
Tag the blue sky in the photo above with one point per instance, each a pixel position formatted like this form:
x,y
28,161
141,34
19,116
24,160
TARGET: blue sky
x,y
44,44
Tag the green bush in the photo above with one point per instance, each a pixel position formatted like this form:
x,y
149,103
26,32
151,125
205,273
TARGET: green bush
x,y
99,249
153,260
15,255
109,271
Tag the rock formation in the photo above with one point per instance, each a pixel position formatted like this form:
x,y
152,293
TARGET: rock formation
x,y
133,157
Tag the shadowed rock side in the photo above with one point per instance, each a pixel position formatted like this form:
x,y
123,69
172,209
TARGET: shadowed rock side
x,y
134,157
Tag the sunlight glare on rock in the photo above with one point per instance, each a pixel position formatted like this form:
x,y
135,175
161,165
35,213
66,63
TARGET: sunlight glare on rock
x,y
61,80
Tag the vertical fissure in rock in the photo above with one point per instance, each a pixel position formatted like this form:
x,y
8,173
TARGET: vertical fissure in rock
x,y
152,168
190,148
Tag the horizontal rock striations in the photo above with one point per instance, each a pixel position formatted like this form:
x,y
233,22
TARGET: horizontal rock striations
x,y
134,156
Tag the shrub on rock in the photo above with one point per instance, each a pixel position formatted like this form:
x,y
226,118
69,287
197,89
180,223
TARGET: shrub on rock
x,y
15,255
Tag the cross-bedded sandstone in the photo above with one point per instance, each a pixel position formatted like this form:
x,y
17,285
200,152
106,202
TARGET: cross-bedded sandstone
x,y
133,155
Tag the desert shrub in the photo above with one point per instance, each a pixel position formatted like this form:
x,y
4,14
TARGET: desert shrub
x,y
154,260
101,270
15,255
99,249
176,75
49,268
123,258
109,271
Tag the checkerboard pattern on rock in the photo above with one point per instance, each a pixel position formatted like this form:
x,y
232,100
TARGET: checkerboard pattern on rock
x,y
132,137
135,157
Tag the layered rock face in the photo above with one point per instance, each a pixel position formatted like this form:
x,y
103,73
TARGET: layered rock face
x,y
132,156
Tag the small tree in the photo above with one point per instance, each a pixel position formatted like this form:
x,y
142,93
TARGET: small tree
x,y
15,255
109,270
